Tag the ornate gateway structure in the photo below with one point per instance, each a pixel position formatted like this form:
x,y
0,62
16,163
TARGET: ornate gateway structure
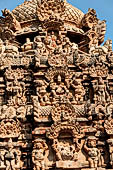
x,y
56,89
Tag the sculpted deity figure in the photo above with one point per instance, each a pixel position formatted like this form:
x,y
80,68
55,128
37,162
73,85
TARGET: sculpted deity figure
x,y
92,151
42,92
39,155
67,45
11,157
53,39
18,90
28,45
38,44
100,91
39,47
78,89
50,41
58,88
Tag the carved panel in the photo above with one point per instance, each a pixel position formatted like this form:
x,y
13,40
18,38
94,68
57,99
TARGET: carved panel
x,y
56,89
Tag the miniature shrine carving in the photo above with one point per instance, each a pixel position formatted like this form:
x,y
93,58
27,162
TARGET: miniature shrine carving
x,y
56,88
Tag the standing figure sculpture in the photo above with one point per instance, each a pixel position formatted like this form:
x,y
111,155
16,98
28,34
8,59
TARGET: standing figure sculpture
x,y
39,155
92,151
11,157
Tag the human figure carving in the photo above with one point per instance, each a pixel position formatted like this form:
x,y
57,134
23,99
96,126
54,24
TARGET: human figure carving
x,y
38,44
50,41
11,157
78,89
39,155
90,147
67,45
100,91
42,92
28,45
58,88
18,90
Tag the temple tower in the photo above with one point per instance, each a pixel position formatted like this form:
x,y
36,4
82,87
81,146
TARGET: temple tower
x,y
56,88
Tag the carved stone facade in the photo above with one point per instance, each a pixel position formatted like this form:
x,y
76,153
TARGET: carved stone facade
x,y
56,89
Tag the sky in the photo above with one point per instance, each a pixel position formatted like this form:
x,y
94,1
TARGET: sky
x,y
104,9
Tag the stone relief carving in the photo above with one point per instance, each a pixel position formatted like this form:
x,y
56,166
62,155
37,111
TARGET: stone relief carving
x,y
56,88
44,9
9,128
11,156
63,112
92,151
39,155
65,149
11,20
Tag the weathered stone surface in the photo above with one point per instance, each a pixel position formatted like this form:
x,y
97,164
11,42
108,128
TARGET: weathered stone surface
x,y
56,88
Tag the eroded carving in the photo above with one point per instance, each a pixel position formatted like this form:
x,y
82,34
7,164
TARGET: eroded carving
x,y
56,88
92,151
39,155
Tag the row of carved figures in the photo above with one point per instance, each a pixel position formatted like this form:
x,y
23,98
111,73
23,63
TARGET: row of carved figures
x,y
91,155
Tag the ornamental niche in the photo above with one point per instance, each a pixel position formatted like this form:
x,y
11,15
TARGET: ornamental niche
x,y
56,88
